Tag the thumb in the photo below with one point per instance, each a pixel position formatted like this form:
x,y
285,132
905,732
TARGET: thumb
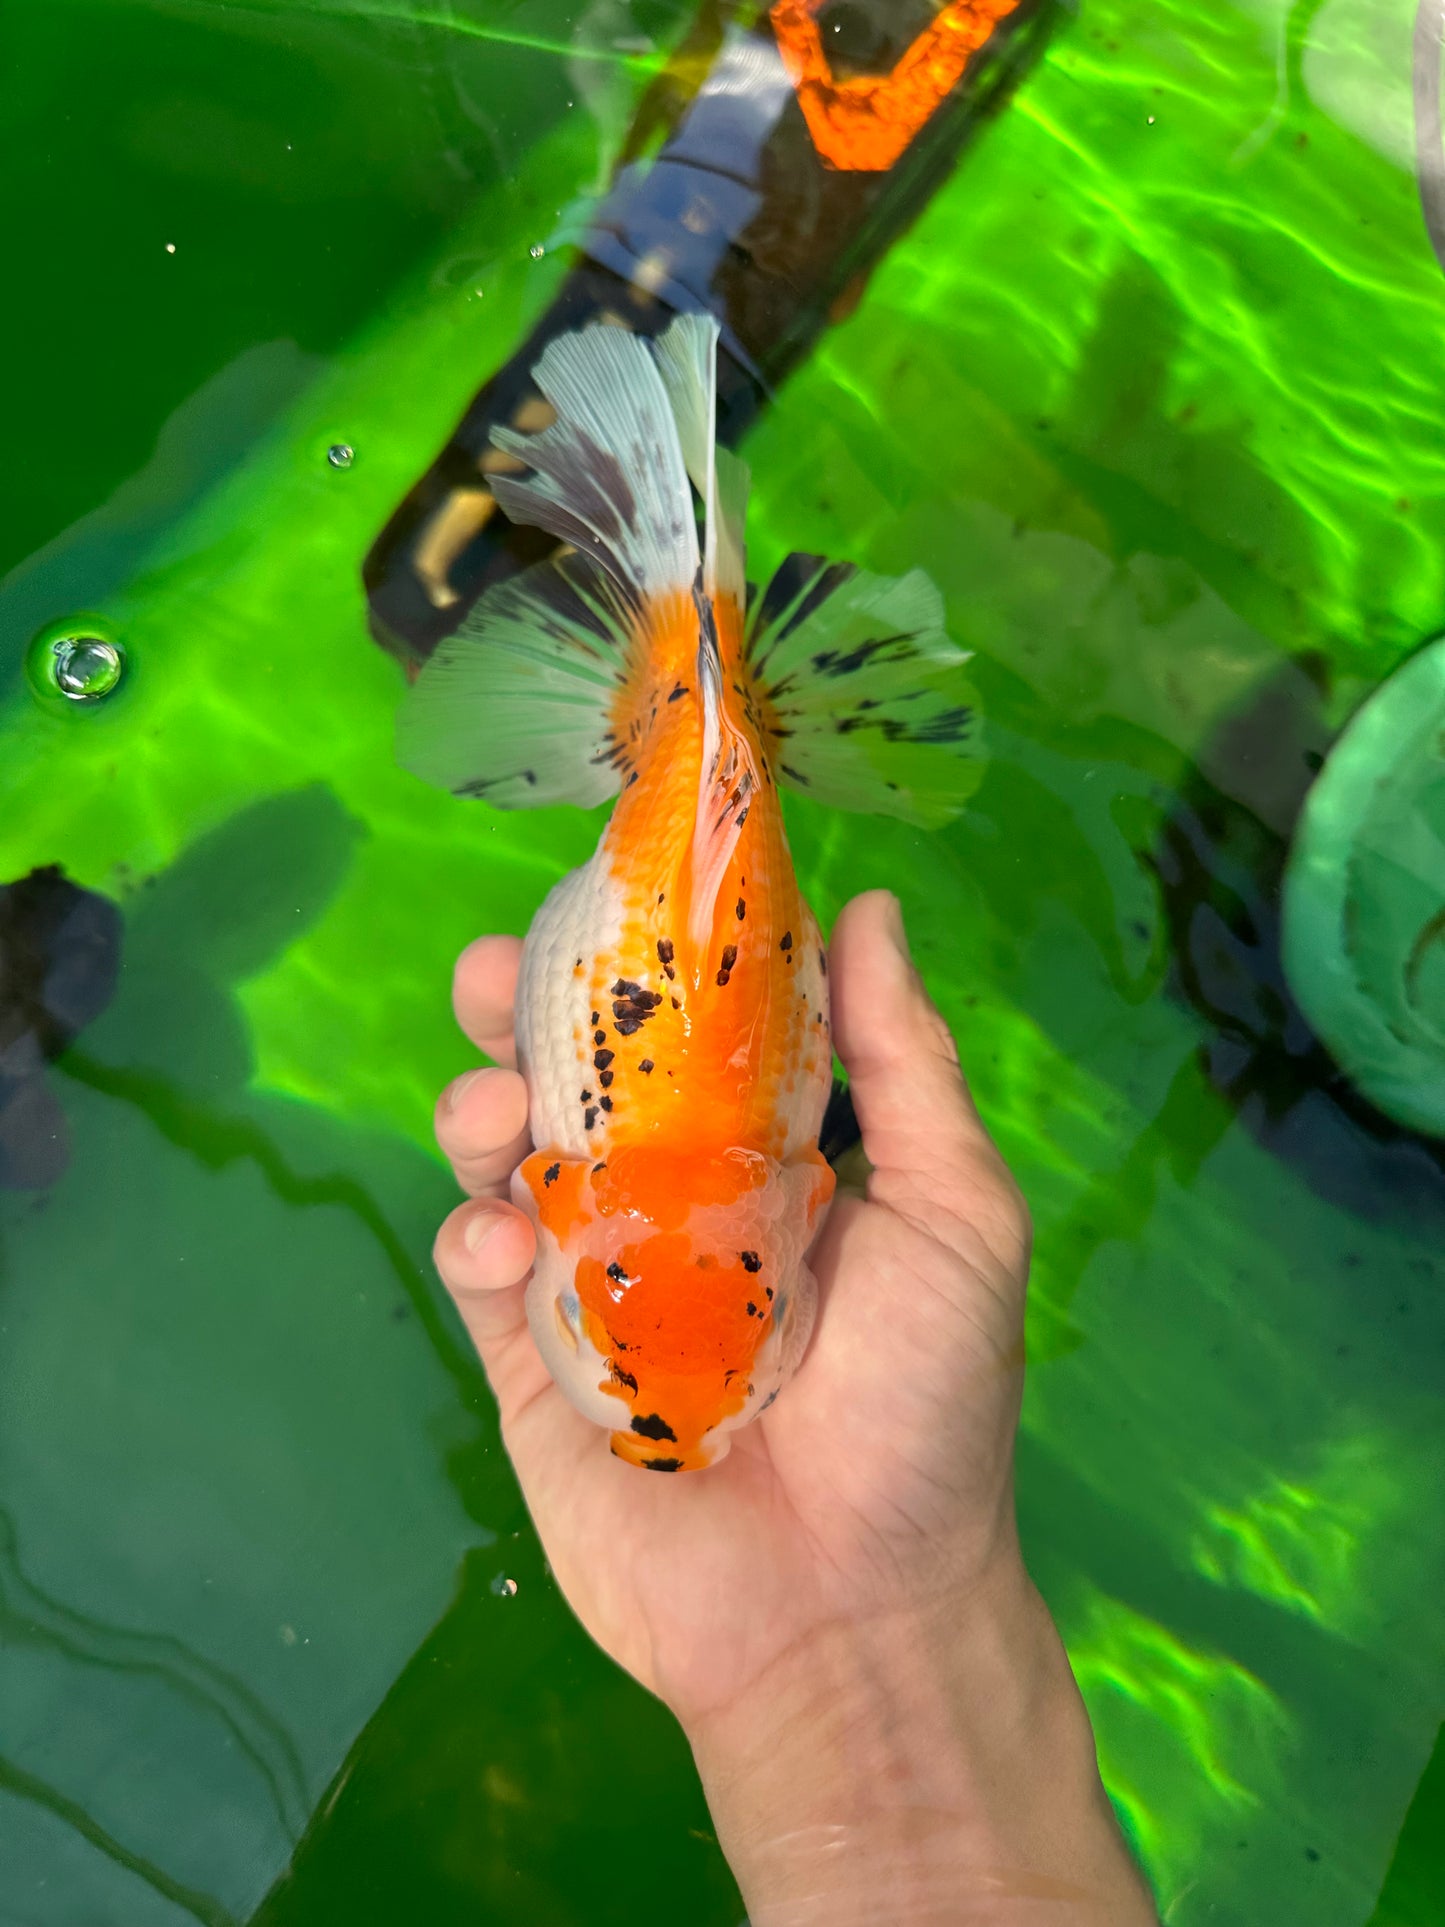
x,y
932,1159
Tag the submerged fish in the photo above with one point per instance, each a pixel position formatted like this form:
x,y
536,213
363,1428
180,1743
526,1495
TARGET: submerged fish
x,y
672,1009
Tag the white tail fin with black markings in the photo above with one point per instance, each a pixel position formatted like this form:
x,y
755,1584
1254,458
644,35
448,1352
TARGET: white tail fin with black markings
x,y
861,689
854,683
517,705
687,361
608,474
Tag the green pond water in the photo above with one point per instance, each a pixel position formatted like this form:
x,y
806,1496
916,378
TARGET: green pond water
x,y
1152,390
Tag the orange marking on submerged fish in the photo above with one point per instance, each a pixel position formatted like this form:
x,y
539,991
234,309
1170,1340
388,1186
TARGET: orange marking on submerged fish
x,y
557,1186
863,124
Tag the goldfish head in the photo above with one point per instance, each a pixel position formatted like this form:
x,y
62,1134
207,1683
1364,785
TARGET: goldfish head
x,y
671,1297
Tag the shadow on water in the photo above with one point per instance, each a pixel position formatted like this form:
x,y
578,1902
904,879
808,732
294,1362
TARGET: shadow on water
x,y
532,1739
273,1390
59,959
175,1043
1414,1890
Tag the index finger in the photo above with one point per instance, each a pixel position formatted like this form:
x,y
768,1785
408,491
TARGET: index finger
x,y
484,991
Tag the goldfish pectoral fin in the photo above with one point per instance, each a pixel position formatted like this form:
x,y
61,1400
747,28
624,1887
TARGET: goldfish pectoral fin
x,y
865,695
660,1456
516,706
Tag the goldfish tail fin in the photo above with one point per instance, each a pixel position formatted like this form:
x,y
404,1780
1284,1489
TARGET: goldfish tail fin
x,y
527,703
687,362
864,702
607,474
516,707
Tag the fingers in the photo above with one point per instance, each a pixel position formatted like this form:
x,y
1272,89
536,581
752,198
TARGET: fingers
x,y
484,1253
484,989
931,1155
481,1124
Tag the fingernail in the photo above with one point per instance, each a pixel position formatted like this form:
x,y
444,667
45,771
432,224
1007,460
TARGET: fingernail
x,y
480,1227
459,1086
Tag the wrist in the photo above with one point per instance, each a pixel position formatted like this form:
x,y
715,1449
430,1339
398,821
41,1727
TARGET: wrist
x,y
930,1765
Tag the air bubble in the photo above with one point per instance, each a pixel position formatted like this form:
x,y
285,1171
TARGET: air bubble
x,y
76,660
537,250
341,454
503,1587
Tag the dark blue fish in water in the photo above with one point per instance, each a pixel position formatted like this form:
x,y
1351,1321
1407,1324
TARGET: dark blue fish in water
x,y
59,961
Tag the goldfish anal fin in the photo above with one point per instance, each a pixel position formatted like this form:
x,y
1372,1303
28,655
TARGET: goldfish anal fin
x,y
864,703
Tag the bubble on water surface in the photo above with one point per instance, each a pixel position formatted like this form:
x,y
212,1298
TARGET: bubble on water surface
x,y
77,661
537,250
341,454
503,1587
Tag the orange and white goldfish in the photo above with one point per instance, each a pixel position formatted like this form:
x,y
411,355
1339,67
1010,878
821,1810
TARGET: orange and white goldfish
x,y
672,1007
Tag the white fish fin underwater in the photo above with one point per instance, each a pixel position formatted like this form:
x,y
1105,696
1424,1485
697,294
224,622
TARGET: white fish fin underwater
x,y
687,361
608,474
864,700
516,706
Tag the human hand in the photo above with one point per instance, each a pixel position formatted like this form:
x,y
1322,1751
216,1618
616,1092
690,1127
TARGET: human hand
x,y
854,1557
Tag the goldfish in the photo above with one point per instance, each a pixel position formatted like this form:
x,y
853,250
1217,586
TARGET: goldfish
x,y
672,1018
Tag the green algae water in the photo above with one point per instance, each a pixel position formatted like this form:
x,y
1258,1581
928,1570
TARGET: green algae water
x,y
1152,391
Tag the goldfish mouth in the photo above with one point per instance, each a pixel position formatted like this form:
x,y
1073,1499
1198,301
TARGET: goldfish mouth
x,y
662,1455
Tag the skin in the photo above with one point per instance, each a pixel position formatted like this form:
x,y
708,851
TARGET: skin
x,y
838,1614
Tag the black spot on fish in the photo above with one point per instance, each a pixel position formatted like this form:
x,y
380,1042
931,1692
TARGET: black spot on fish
x,y
661,1465
625,1378
677,1005
605,1079
589,1118
769,1290
551,1174
665,951
752,1309
729,958
602,1058
599,1036
831,662
678,693
606,1103
598,1167
751,1261
586,1097
794,775
596,1018
742,909
785,942
646,1067
653,1427
822,960
617,1274
632,1005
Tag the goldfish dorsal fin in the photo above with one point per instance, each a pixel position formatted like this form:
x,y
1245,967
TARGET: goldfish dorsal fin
x,y
687,362
727,781
864,702
608,474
